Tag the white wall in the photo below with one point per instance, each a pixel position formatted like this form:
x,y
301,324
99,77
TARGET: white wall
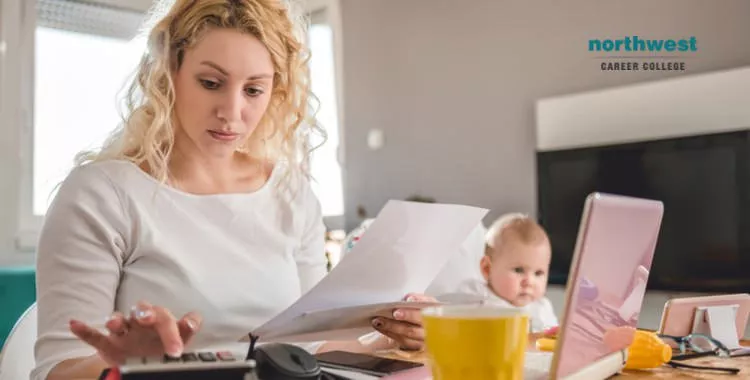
x,y
707,103
12,121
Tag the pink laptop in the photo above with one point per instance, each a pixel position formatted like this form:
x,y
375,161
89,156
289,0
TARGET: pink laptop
x,y
606,284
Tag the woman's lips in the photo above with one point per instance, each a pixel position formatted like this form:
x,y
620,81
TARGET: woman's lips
x,y
223,136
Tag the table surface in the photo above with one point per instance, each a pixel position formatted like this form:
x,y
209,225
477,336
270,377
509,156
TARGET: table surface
x,y
664,372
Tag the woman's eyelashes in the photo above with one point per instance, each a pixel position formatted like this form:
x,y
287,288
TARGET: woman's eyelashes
x,y
210,84
254,91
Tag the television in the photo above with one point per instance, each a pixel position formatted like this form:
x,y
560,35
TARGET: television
x,y
704,182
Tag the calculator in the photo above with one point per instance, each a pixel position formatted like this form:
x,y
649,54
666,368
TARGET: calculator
x,y
221,365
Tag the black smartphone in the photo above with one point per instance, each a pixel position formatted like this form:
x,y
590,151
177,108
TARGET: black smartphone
x,y
364,363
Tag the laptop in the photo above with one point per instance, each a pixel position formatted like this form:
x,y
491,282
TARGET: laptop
x,y
606,285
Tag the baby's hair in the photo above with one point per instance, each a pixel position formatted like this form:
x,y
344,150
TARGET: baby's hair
x,y
514,226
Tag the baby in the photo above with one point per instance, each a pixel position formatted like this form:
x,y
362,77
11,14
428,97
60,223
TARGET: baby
x,y
514,267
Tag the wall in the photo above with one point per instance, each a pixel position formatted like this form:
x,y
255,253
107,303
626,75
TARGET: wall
x,y
454,87
691,105
10,132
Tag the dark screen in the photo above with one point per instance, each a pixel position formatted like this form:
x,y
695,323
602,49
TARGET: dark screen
x,y
702,181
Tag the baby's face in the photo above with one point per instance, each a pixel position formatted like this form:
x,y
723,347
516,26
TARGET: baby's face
x,y
517,272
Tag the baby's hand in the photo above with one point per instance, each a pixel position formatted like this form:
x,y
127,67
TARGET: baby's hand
x,y
551,332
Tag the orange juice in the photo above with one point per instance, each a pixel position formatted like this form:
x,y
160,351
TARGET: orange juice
x,y
477,342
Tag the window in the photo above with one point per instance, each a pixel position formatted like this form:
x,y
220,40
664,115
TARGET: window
x,y
83,56
326,170
77,83
68,60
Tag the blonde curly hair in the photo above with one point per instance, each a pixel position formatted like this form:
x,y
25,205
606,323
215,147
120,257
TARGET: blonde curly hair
x,y
146,136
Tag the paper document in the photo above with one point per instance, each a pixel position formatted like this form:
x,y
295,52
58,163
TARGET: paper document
x,y
337,324
402,252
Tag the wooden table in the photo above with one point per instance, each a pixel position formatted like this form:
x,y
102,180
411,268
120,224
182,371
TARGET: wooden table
x,y
664,372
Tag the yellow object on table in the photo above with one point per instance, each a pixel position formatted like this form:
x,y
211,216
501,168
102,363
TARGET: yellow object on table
x,y
477,342
545,344
646,351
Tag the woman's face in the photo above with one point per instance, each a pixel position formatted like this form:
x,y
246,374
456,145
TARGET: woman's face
x,y
222,90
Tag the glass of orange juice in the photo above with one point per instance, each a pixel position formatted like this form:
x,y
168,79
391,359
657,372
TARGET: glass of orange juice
x,y
478,342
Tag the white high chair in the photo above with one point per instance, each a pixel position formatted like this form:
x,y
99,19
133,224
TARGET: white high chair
x,y
17,354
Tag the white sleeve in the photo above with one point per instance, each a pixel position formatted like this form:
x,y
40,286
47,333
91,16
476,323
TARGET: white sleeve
x,y
79,261
311,256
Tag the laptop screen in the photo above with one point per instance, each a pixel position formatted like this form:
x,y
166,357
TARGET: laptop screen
x,y
607,280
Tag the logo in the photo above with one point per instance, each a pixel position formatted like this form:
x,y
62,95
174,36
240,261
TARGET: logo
x,y
634,53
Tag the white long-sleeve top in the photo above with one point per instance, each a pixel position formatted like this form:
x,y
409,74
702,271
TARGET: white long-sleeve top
x,y
115,235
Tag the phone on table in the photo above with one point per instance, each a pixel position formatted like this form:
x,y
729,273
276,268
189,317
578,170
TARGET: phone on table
x,y
677,318
368,364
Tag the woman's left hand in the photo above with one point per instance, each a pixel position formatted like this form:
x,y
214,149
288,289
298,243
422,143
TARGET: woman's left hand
x,y
405,328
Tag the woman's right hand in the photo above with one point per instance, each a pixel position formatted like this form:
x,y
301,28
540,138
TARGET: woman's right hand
x,y
148,331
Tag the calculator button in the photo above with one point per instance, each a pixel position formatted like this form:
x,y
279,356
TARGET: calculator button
x,y
189,357
225,356
170,359
207,356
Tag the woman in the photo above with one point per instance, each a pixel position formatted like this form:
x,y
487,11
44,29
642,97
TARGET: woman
x,y
199,204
